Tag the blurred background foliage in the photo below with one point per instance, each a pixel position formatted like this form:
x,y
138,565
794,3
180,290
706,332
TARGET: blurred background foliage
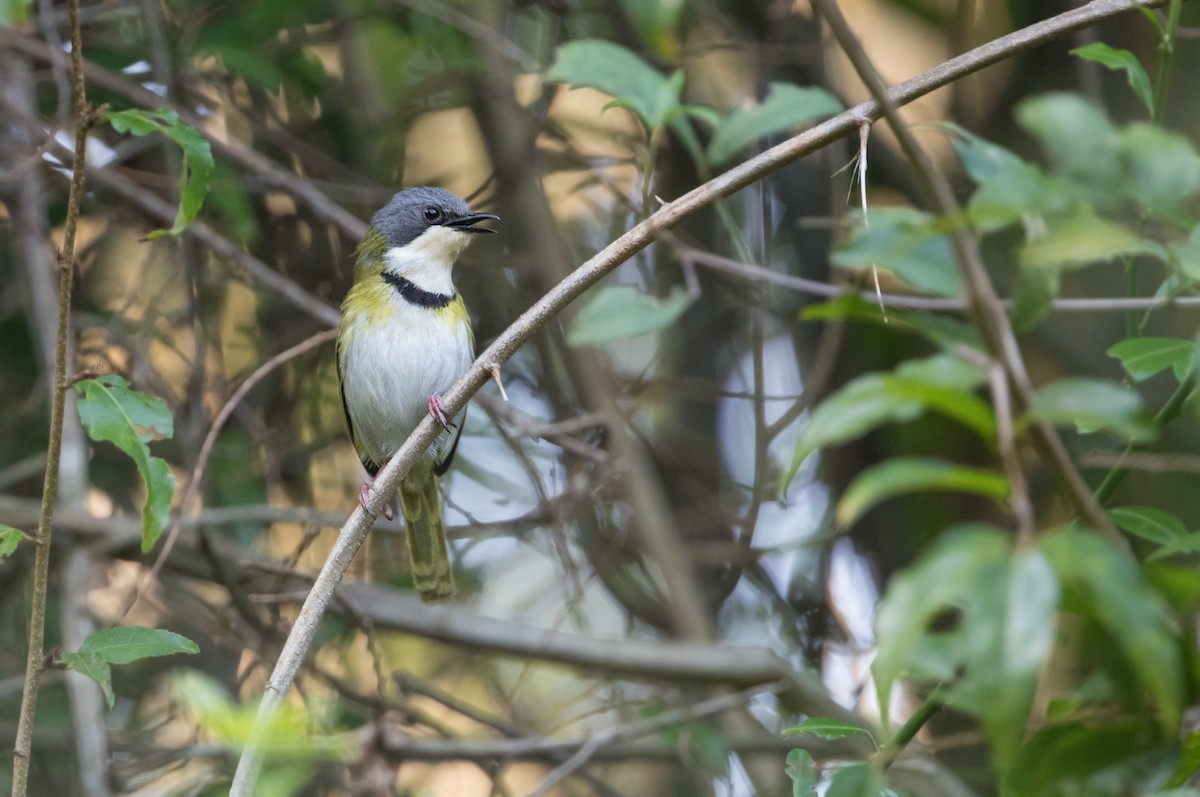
x,y
317,112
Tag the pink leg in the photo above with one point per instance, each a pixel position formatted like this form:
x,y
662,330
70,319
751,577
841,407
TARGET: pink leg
x,y
364,498
438,411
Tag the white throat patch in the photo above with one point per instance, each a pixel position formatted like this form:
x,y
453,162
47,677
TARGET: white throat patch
x,y
427,262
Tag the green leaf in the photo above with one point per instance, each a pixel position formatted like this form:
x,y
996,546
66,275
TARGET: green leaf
x,y
1033,294
802,771
1185,256
1010,189
1145,357
1062,755
618,72
131,643
1080,141
950,371
827,729
903,241
1189,762
1090,405
859,407
708,744
657,22
940,579
903,475
10,538
942,383
111,411
1149,523
1008,631
784,107
1115,58
94,667
122,646
1163,169
617,312
1159,527
197,165
290,732
949,400
942,331
1184,546
1107,586
857,780
1081,240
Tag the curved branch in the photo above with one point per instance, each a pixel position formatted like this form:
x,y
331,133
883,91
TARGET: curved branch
x,y
570,288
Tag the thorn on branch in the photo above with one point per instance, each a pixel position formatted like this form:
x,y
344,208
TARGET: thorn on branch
x,y
494,370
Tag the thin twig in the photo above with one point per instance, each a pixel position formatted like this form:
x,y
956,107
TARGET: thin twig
x,y
1147,463
270,278
405,748
755,273
595,742
35,662
271,173
196,478
1006,444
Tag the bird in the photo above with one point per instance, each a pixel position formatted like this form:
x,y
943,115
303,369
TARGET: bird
x,y
405,338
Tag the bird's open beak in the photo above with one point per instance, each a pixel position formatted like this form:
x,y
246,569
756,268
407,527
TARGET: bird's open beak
x,y
466,223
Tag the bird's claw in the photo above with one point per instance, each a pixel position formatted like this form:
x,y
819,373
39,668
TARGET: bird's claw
x,y
364,500
438,411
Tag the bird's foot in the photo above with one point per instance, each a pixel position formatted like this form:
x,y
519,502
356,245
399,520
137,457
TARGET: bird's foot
x,y
364,500
438,411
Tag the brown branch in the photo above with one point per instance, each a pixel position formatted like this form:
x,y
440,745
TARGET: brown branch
x,y
36,657
671,661
114,534
752,272
593,743
404,747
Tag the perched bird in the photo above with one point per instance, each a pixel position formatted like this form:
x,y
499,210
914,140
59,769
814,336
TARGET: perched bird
x,y
406,338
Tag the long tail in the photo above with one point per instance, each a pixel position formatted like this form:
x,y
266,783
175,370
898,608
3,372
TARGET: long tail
x,y
421,506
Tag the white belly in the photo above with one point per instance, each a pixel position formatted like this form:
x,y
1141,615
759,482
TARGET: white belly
x,y
391,369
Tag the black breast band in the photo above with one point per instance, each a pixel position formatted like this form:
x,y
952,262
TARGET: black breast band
x,y
418,296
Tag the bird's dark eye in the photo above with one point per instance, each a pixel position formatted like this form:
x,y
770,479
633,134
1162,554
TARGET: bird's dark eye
x,y
432,213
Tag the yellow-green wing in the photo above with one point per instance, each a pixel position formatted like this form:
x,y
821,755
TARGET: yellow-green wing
x,y
371,466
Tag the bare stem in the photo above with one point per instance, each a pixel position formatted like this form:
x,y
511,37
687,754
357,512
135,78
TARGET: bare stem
x,y
35,663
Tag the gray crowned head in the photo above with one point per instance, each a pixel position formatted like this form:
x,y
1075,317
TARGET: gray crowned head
x,y
414,210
